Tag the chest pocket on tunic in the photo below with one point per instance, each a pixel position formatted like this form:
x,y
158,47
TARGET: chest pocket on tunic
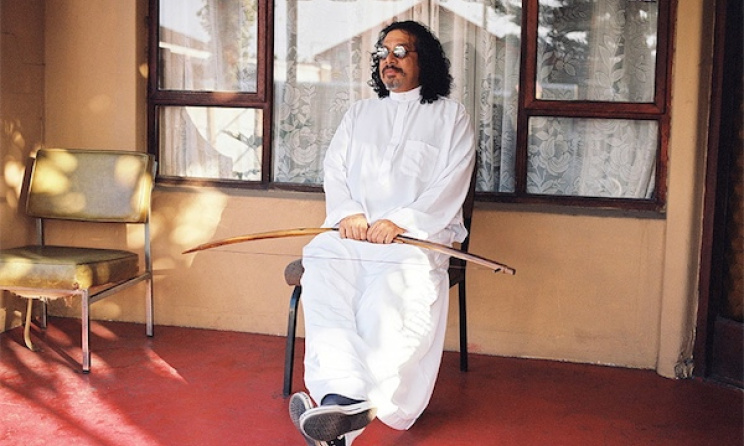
x,y
418,159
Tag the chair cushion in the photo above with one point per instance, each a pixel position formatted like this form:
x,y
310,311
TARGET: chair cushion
x,y
293,272
65,268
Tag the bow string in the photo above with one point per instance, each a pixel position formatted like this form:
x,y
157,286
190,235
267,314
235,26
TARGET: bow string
x,y
299,232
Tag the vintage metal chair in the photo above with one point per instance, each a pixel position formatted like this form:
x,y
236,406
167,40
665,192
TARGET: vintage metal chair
x,y
293,274
90,186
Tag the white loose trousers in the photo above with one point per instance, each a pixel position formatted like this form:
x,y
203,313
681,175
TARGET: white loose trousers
x,y
376,331
375,315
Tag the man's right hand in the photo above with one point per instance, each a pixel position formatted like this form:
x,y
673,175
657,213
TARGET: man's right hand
x,y
354,227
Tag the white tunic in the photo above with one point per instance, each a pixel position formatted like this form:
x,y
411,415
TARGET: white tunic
x,y
404,161
375,315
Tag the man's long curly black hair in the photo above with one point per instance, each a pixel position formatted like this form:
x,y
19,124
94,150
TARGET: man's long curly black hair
x,y
434,66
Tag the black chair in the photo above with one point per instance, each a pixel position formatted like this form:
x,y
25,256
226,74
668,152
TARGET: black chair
x,y
293,274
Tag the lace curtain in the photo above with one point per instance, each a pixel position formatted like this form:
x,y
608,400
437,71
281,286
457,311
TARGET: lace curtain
x,y
209,45
587,50
600,50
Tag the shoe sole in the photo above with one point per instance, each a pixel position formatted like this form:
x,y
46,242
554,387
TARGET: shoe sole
x,y
326,423
300,403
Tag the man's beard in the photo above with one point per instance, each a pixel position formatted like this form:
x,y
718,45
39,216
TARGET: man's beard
x,y
392,84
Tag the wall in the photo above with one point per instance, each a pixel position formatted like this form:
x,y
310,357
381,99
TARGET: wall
x,y
591,286
21,124
96,98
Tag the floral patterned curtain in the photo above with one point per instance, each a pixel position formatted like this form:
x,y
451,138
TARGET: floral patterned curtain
x,y
598,50
209,45
319,73
322,64
588,50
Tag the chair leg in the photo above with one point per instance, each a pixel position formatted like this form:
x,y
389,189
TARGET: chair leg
x,y
149,308
44,313
27,326
85,319
294,302
463,327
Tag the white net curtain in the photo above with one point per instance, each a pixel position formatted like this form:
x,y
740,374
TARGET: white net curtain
x,y
587,50
209,45
597,50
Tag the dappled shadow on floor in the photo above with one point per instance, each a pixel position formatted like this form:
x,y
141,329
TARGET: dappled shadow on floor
x,y
205,387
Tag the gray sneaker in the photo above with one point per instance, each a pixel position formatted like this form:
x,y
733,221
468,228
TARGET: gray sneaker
x,y
299,403
329,423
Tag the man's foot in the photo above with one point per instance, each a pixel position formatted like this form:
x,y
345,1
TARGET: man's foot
x,y
299,403
329,422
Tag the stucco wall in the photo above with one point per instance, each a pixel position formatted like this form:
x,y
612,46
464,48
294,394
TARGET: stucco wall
x,y
691,93
596,286
21,120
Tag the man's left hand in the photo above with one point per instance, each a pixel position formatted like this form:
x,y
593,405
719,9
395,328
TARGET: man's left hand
x,y
383,231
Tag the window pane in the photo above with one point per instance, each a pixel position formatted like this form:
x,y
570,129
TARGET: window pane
x,y
602,50
592,157
318,74
208,45
211,142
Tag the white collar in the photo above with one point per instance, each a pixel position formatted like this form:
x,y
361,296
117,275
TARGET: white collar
x,y
405,96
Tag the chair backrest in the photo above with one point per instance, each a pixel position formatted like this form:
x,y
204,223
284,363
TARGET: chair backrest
x,y
467,209
91,185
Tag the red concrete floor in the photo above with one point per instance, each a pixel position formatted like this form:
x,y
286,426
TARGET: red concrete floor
x,y
203,387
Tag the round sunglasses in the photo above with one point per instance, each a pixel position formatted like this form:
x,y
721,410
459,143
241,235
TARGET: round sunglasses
x,y
399,52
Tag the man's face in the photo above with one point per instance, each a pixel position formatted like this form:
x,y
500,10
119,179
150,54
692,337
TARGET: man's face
x,y
399,75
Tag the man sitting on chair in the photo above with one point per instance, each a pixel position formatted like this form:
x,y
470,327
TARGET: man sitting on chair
x,y
376,311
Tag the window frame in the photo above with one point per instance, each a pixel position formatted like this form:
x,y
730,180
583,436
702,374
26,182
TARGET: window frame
x,y
261,99
529,106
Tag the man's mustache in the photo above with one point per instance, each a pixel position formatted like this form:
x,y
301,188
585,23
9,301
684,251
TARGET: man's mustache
x,y
392,67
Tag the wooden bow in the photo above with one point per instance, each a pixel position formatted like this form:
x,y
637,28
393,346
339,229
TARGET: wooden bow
x,y
444,249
